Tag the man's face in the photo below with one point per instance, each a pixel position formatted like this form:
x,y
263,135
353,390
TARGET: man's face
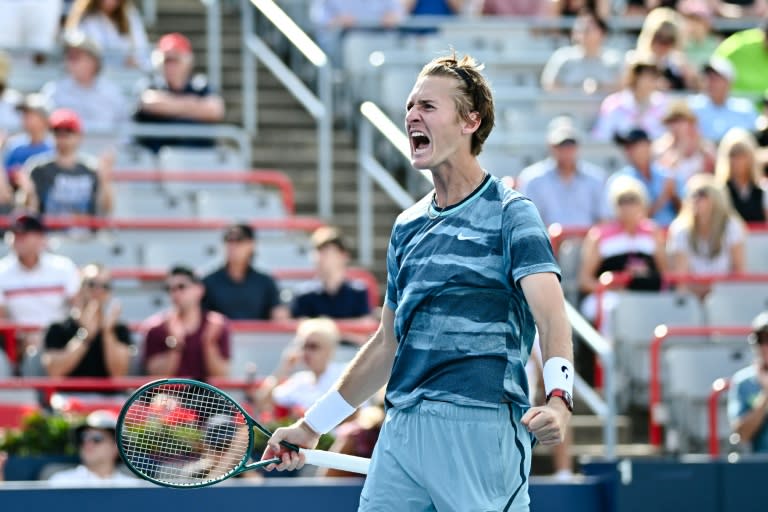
x,y
716,85
97,446
316,352
81,65
239,249
33,122
184,292
176,68
565,154
435,130
67,141
28,244
330,259
639,153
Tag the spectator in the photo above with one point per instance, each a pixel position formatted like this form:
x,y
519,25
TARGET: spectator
x,y
560,8
66,183
98,454
331,18
9,117
435,7
744,9
738,170
35,140
30,25
632,244
640,103
707,237
565,189
91,342
699,41
314,347
748,52
661,38
187,341
748,394
515,8
332,295
715,108
98,102
661,189
761,134
587,65
237,290
36,287
116,27
682,150
180,97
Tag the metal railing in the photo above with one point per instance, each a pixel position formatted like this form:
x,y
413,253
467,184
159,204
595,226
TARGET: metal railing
x,y
319,105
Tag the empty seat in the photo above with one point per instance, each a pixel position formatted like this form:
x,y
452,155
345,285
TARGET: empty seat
x,y
135,158
688,371
264,204
200,159
283,252
163,254
257,352
141,304
756,251
735,303
143,206
96,249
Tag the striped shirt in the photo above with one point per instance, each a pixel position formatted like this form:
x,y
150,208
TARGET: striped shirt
x,y
463,326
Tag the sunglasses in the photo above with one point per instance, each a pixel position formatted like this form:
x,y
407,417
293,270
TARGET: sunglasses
x,y
310,347
104,285
92,437
627,200
700,194
234,239
171,288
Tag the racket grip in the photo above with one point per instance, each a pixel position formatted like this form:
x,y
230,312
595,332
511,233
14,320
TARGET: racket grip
x,y
339,461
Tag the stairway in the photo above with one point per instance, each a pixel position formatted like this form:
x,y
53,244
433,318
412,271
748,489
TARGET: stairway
x,y
286,138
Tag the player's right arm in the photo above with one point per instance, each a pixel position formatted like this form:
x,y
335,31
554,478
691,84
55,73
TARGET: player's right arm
x,y
366,374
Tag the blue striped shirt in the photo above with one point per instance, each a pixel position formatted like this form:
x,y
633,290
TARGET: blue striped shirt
x,y
463,326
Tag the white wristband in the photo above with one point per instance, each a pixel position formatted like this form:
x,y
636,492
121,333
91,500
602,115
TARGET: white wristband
x,y
328,412
558,374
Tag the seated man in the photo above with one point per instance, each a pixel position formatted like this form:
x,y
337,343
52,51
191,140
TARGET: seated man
x,y
98,454
65,183
34,140
748,394
97,100
181,97
314,347
186,341
332,295
239,291
92,342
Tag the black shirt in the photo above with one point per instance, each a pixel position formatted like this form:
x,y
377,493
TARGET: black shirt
x,y
62,191
93,363
350,301
253,298
749,206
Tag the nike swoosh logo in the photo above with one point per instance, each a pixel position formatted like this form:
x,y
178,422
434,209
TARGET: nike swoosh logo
x,y
461,236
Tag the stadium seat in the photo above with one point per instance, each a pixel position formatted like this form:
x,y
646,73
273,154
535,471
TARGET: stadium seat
x,y
634,320
157,253
247,204
172,158
756,250
139,305
28,78
135,158
688,370
257,352
6,370
159,205
97,249
286,252
735,304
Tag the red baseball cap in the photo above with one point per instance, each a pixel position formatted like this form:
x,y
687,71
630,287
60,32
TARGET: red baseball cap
x,y
65,119
174,42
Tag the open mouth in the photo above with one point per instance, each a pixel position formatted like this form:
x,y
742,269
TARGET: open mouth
x,y
419,141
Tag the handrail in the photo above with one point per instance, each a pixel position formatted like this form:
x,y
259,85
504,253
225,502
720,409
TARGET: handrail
x,y
192,131
660,334
606,408
213,35
84,221
320,106
370,169
718,387
270,177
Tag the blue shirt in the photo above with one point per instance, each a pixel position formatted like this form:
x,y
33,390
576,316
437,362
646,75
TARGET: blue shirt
x,y
715,120
432,8
741,396
576,202
654,187
19,149
463,326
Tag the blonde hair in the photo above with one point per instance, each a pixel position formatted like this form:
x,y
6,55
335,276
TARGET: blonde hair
x,y
661,19
627,186
323,327
722,214
736,137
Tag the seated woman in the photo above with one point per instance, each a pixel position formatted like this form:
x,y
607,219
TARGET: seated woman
x,y
707,237
739,171
630,244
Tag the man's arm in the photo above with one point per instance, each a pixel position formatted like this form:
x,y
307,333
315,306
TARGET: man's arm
x,y
545,298
209,109
364,376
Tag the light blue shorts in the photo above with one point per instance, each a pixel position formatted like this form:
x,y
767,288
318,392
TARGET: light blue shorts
x,y
437,456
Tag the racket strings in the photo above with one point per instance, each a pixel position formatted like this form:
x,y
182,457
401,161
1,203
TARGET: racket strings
x,y
184,434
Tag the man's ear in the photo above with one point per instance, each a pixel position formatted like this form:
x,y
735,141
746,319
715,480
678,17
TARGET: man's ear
x,y
472,124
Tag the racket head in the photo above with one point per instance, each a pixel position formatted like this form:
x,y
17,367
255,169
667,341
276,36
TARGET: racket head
x,y
184,433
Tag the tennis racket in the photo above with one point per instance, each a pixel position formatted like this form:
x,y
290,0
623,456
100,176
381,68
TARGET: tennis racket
x,y
186,433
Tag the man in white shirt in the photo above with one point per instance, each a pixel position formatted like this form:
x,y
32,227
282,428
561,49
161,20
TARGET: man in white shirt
x,y
98,454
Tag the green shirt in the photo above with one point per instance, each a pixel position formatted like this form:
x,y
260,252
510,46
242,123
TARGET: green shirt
x,y
747,52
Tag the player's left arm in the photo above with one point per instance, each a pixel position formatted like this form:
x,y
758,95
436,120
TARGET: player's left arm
x,y
545,298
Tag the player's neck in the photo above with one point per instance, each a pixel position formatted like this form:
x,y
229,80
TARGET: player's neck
x,y
454,184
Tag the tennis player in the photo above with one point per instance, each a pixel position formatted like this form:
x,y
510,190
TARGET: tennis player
x,y
471,274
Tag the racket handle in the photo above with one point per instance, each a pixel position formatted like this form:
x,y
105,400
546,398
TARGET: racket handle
x,y
337,461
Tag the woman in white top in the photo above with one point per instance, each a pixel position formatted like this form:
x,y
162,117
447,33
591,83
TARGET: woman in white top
x,y
116,26
707,237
